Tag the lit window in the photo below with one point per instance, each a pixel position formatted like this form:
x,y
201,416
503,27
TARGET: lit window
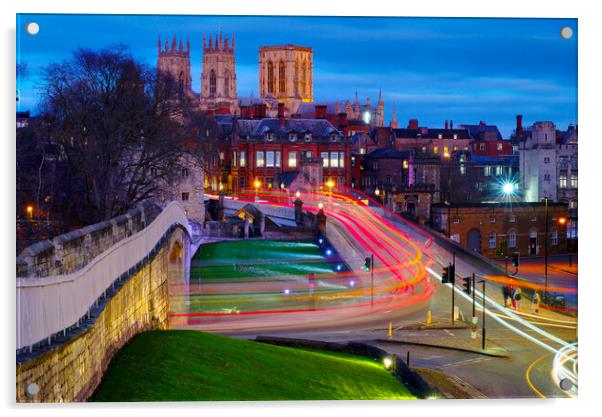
x,y
491,219
456,220
445,150
243,161
455,136
324,156
436,149
440,136
341,159
498,170
362,151
405,164
234,158
462,169
492,240
308,154
487,171
512,218
334,159
260,159
292,159
500,146
277,158
573,181
562,181
269,159
512,239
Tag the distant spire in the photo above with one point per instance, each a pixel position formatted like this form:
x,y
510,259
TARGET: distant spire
x,y
181,46
173,44
210,42
356,99
159,44
226,43
221,43
166,45
368,101
380,97
204,41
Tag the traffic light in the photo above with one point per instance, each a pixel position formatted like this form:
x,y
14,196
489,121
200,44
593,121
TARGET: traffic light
x,y
449,275
467,285
445,276
516,259
368,264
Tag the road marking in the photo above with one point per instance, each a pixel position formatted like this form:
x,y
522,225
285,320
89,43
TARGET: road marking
x,y
528,378
468,362
449,333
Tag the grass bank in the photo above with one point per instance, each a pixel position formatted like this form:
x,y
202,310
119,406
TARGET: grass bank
x,y
194,366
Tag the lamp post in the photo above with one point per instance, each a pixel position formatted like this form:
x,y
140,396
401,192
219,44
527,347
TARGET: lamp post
x,y
447,155
330,185
256,184
377,194
545,292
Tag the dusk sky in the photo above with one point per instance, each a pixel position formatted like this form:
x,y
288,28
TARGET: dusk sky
x,y
432,69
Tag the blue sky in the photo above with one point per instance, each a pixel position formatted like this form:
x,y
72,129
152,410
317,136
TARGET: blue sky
x,y
432,69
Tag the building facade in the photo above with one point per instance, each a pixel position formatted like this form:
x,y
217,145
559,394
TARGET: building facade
x,y
500,229
286,74
265,149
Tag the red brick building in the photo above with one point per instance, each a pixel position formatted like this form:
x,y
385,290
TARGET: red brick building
x,y
498,229
487,140
266,149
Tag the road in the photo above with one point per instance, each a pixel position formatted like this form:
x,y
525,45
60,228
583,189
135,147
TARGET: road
x,y
406,286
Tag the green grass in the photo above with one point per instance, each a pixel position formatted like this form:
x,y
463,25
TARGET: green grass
x,y
258,258
194,366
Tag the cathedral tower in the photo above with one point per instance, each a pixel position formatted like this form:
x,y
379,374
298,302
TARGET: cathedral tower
x,y
286,74
218,79
176,61
379,114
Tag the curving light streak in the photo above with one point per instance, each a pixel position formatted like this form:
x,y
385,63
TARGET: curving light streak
x,y
560,371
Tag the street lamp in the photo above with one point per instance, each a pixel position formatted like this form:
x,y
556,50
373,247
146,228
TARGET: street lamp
x,y
256,184
29,210
447,156
298,194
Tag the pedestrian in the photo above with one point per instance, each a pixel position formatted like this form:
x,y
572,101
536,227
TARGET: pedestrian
x,y
517,298
511,291
536,300
506,294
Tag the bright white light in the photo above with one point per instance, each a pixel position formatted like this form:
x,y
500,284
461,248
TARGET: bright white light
x,y
366,117
321,241
352,283
338,267
388,362
328,252
287,291
508,188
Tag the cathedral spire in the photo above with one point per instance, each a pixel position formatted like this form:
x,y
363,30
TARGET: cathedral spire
x,y
173,44
159,45
181,48
394,123
380,97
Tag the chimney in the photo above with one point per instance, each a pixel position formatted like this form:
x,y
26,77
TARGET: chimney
x,y
320,112
413,124
262,111
446,125
282,120
519,124
482,123
280,110
451,124
342,120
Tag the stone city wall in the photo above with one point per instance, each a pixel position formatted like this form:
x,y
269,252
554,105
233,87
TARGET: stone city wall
x,y
72,370
71,251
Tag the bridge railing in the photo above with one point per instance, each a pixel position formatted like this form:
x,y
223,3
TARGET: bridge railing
x,y
48,305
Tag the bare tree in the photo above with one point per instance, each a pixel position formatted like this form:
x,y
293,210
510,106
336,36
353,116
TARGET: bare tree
x,y
119,124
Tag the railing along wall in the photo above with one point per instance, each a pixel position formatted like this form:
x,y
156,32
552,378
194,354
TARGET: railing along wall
x,y
50,304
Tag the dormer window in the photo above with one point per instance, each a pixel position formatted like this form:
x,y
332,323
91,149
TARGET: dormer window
x,y
292,137
269,137
455,136
334,137
307,137
440,136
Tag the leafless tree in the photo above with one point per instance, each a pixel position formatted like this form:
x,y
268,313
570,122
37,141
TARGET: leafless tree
x,y
120,124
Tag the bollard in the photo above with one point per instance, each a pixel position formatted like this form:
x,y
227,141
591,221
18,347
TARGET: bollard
x,y
390,329
408,359
429,318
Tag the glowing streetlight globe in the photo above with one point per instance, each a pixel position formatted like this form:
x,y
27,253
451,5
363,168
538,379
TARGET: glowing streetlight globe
x,y
298,194
508,188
